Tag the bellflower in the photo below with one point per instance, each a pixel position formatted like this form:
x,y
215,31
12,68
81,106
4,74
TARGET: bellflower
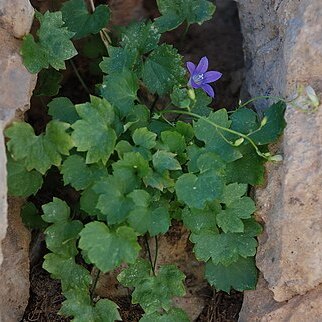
x,y
200,78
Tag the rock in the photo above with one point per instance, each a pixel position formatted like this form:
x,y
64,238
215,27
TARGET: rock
x,y
290,251
16,82
283,48
16,85
14,271
16,17
260,306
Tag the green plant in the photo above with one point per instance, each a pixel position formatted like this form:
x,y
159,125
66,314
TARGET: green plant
x,y
135,169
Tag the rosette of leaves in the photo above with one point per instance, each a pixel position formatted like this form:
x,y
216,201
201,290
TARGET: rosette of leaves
x,y
134,170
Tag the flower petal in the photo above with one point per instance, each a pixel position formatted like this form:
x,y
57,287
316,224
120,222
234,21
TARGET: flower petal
x,y
202,66
208,89
191,67
211,76
193,84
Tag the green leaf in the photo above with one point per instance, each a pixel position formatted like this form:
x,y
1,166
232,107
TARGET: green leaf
x,y
174,314
216,139
163,160
147,216
61,236
274,126
107,311
56,211
134,273
210,161
88,202
94,132
119,59
39,152
252,227
72,275
223,248
53,47
138,117
248,169
233,192
174,141
163,69
113,201
228,221
158,181
108,249
196,191
153,292
143,137
79,305
62,109
80,21
22,183
141,36
48,83
236,208
200,105
120,89
179,97
241,275
134,162
186,130
199,11
175,12
244,120
78,174
197,220
31,217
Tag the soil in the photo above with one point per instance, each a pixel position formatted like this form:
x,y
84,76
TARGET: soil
x,y
221,41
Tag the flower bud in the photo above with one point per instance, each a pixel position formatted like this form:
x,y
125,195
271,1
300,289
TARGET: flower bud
x,y
191,94
238,142
264,121
276,158
312,96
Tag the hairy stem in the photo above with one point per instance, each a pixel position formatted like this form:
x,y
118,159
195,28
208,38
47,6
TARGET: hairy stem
x,y
149,253
96,277
156,252
225,129
263,97
103,34
79,77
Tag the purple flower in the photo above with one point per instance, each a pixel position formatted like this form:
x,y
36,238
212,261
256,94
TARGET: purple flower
x,y
200,78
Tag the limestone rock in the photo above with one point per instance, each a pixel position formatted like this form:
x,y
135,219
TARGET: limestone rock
x,y
16,82
290,251
260,306
14,271
16,85
283,48
16,17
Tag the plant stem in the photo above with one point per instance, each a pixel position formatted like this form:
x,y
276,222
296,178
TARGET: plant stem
x,y
103,34
183,35
156,252
262,97
97,275
79,77
154,102
149,253
218,127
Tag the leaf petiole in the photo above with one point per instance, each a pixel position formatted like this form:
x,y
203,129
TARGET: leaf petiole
x,y
220,128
